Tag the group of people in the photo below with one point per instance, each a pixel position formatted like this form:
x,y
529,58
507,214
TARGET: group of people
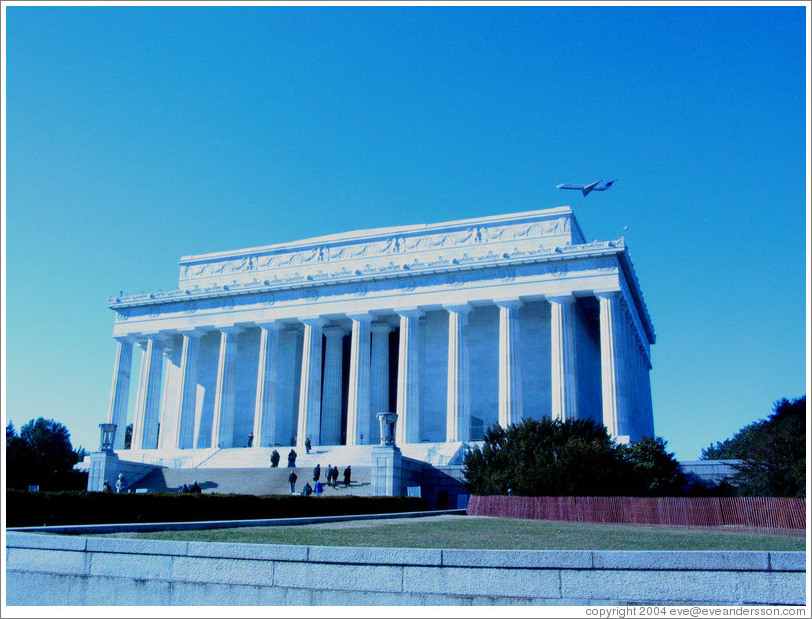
x,y
275,457
194,489
121,485
330,475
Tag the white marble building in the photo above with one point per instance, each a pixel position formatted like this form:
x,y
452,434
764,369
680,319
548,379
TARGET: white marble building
x,y
455,326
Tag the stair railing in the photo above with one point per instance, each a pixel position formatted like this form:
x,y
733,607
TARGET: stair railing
x,y
207,458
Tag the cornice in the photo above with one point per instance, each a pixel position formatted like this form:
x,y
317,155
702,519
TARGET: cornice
x,y
388,272
636,292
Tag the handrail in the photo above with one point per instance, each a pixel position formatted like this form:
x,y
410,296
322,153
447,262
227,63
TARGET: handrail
x,y
206,459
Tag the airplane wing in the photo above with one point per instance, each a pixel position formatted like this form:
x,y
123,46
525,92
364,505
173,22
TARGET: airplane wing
x,y
585,189
590,187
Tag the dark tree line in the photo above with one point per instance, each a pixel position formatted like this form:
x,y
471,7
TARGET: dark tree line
x,y
42,455
772,452
570,458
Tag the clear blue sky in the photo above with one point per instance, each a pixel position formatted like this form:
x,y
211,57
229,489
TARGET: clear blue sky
x,y
137,135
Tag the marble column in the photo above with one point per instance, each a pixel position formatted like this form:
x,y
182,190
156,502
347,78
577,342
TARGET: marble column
x,y
310,386
510,371
408,389
648,407
148,399
120,390
634,366
610,316
265,408
379,370
358,397
563,362
624,379
187,398
332,388
458,410
223,421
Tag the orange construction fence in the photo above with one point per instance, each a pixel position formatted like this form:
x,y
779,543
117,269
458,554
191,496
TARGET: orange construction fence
x,y
767,512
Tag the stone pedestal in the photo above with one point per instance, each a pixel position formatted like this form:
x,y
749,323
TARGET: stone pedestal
x,y
103,465
387,471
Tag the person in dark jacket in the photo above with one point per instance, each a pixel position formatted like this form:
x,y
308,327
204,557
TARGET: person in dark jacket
x,y
328,474
196,489
291,458
307,490
317,472
292,479
347,476
335,476
307,444
274,459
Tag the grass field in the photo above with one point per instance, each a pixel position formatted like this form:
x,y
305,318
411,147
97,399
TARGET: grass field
x,y
483,533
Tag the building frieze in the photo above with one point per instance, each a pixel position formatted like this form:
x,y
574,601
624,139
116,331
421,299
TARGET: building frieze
x,y
557,257
387,250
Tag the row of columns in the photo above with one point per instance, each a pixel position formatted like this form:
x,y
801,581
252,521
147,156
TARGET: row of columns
x,y
624,377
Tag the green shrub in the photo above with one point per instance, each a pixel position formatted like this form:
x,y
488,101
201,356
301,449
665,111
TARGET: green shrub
x,y
576,457
64,508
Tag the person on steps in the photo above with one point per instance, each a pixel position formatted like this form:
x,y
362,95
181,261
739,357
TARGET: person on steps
x,y
347,476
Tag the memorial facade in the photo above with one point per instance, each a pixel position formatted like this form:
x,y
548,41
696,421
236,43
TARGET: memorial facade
x,y
454,326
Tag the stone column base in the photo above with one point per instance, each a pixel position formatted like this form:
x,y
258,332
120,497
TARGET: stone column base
x,y
104,465
387,471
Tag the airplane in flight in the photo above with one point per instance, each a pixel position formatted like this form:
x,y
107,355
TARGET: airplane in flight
x,y
585,189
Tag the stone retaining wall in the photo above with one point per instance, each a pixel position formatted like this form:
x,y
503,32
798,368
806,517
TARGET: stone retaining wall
x,y
47,569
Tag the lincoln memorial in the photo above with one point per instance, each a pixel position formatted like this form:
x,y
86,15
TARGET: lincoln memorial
x,y
454,326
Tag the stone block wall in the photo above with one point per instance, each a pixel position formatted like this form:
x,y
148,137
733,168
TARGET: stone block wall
x,y
76,570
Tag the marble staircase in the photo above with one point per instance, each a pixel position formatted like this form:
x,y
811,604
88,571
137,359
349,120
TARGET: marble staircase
x,y
253,480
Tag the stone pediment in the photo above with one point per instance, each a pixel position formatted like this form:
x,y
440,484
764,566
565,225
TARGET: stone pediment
x,y
403,248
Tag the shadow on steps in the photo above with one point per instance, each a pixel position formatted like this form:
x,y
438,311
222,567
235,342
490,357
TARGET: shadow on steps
x,y
253,481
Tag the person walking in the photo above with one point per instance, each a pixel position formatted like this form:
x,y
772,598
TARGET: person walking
x,y
347,476
307,444
328,474
317,472
274,459
291,459
335,476
292,479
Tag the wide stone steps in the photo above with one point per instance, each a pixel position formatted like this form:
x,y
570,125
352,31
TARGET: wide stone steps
x,y
254,480
438,454
249,457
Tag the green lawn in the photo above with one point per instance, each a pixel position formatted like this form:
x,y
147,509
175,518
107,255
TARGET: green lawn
x,y
482,533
